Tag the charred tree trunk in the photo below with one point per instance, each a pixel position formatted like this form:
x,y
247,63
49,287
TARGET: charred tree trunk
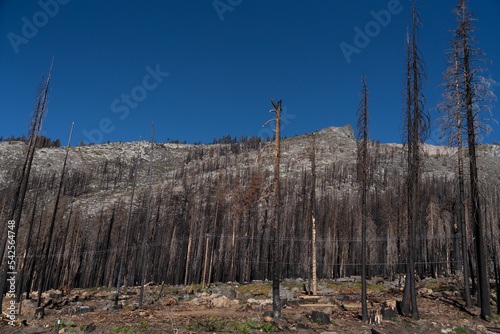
x,y
276,227
22,185
313,216
127,225
416,132
51,227
146,228
276,255
477,223
25,253
362,164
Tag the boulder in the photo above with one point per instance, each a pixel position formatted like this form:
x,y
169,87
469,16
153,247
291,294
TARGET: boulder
x,y
229,292
80,309
284,293
221,301
387,313
351,306
320,318
55,294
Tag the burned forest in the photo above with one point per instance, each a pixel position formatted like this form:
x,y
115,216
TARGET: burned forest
x,y
206,207
331,219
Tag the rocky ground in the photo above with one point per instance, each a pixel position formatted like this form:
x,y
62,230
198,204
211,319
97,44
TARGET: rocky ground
x,y
245,308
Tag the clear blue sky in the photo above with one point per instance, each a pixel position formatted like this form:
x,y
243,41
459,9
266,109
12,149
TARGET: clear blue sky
x,y
223,64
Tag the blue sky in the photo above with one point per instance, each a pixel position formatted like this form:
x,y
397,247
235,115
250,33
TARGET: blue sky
x,y
205,69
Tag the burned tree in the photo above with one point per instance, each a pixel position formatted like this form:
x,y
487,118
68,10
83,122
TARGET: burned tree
x,y
362,173
452,130
467,97
21,184
148,215
46,250
312,214
127,224
415,132
276,205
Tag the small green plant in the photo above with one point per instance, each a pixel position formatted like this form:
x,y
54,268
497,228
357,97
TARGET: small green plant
x,y
211,325
268,327
408,324
144,324
461,330
245,326
191,327
122,329
61,324
494,319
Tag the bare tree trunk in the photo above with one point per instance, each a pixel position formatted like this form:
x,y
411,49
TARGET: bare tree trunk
x,y
187,260
313,215
276,226
276,206
52,223
233,252
363,163
206,258
25,253
417,128
127,224
21,187
463,228
477,223
61,254
148,216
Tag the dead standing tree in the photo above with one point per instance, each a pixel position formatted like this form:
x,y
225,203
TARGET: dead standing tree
x,y
22,183
127,225
312,214
465,98
476,99
362,164
451,129
46,250
148,215
276,205
415,132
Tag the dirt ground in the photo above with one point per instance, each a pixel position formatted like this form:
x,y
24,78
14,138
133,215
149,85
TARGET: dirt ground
x,y
241,308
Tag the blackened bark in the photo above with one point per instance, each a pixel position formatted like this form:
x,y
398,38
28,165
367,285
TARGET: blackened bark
x,y
46,251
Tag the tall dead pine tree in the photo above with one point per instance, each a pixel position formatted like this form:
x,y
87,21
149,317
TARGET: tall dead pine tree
x,y
362,164
475,99
276,205
22,183
451,129
415,132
